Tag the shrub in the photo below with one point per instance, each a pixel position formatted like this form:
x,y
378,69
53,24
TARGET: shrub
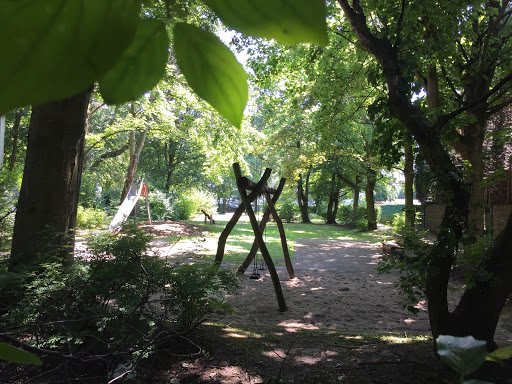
x,y
184,207
411,264
90,218
287,209
160,206
345,216
112,309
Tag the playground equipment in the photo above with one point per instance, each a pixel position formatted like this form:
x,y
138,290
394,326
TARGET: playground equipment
x,y
128,205
271,196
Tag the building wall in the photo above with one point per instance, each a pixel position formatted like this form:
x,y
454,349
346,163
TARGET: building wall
x,y
499,213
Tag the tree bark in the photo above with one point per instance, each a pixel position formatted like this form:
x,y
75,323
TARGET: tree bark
x,y
109,155
355,206
135,151
303,196
332,206
371,180
47,204
410,213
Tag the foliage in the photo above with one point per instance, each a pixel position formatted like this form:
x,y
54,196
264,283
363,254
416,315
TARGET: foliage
x,y
473,252
16,355
466,354
90,218
9,187
346,216
288,23
287,209
159,205
121,304
184,207
198,289
127,53
411,262
189,203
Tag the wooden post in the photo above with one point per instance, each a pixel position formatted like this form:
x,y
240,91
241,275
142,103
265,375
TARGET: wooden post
x,y
261,244
282,235
263,223
236,216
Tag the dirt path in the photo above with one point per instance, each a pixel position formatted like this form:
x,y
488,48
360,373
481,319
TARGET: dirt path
x,y
336,287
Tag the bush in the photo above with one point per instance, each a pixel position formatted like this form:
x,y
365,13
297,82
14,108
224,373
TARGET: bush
x,y
411,264
287,209
160,206
345,216
112,309
190,203
90,218
184,208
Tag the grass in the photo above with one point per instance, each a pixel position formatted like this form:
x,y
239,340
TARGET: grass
x,y
241,238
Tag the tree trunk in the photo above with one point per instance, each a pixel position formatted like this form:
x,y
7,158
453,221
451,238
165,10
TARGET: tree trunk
x,y
485,300
332,206
371,180
479,309
410,213
355,206
302,197
47,204
15,134
135,150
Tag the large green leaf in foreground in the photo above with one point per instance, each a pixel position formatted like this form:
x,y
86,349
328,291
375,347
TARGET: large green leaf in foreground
x,y
52,49
287,21
463,354
212,71
16,355
140,67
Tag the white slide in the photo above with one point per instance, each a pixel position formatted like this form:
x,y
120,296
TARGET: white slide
x,y
126,208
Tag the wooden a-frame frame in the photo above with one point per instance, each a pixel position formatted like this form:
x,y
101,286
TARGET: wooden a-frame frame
x,y
271,196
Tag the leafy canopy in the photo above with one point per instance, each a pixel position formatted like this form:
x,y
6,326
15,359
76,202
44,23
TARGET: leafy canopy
x,y
56,48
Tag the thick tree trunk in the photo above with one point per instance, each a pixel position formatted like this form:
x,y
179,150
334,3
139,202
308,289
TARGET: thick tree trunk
x,y
47,204
479,308
408,185
135,150
371,180
302,198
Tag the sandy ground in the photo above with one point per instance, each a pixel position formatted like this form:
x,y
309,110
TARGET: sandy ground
x,y
337,287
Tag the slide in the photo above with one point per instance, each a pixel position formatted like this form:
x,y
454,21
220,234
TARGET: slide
x,y
126,208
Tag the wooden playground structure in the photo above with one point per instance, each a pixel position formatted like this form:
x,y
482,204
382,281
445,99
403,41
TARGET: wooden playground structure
x,y
271,196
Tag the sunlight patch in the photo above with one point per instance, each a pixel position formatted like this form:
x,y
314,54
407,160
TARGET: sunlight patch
x,y
293,325
240,334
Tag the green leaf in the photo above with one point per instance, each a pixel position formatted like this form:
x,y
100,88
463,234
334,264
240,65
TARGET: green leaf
x,y
52,49
140,67
16,355
212,71
499,355
463,354
287,21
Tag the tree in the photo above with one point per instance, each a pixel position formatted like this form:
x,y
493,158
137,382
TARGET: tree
x,y
478,310
46,215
